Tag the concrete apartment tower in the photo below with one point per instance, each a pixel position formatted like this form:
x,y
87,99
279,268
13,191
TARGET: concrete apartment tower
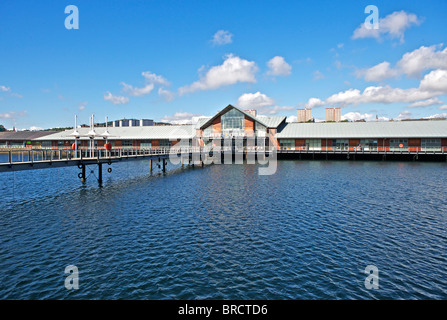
x,y
333,114
304,115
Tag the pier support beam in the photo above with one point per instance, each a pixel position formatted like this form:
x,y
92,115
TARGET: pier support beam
x,y
150,164
164,165
83,179
100,174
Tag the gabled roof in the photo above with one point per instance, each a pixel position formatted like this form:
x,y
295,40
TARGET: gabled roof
x,y
225,110
23,135
129,133
271,122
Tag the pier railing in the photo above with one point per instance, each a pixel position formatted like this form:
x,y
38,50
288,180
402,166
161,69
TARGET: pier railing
x,y
29,155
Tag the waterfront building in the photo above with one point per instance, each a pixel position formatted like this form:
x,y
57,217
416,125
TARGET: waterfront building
x,y
272,131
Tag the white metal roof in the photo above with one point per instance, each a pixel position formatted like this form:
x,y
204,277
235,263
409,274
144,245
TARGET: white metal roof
x,y
392,129
129,133
271,122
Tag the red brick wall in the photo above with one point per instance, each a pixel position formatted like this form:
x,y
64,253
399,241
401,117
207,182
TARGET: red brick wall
x,y
249,124
414,144
300,144
216,125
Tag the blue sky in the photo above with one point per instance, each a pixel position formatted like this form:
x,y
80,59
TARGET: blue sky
x,y
158,60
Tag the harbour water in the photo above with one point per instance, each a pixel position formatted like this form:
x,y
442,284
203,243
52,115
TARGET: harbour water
x,y
224,232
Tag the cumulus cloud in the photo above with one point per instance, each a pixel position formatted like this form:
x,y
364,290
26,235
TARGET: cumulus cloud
x,y
182,118
137,92
435,81
379,72
222,37
314,102
437,116
354,116
444,107
278,67
231,71
5,89
260,102
115,99
425,103
254,100
434,84
404,115
412,64
291,119
393,25
155,79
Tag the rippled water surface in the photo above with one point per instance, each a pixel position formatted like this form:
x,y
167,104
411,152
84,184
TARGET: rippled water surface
x,y
224,232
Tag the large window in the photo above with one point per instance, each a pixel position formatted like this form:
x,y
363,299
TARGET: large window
x,y
145,144
126,144
233,122
287,143
313,144
431,145
398,144
340,144
368,144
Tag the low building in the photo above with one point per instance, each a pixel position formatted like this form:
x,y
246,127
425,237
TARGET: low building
x,y
237,125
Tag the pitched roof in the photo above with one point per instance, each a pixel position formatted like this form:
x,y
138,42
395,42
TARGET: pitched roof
x,y
271,122
129,133
228,108
23,135
395,129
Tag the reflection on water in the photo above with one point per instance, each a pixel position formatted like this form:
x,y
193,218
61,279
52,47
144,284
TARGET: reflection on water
x,y
224,232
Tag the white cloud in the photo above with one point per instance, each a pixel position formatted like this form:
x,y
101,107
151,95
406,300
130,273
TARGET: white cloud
x,y
434,84
82,105
291,119
353,116
314,102
222,37
425,103
34,128
444,107
137,92
12,115
435,81
231,71
379,72
115,99
318,75
412,64
278,67
260,102
182,118
155,79
436,116
254,100
393,25
166,94
5,89
404,115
